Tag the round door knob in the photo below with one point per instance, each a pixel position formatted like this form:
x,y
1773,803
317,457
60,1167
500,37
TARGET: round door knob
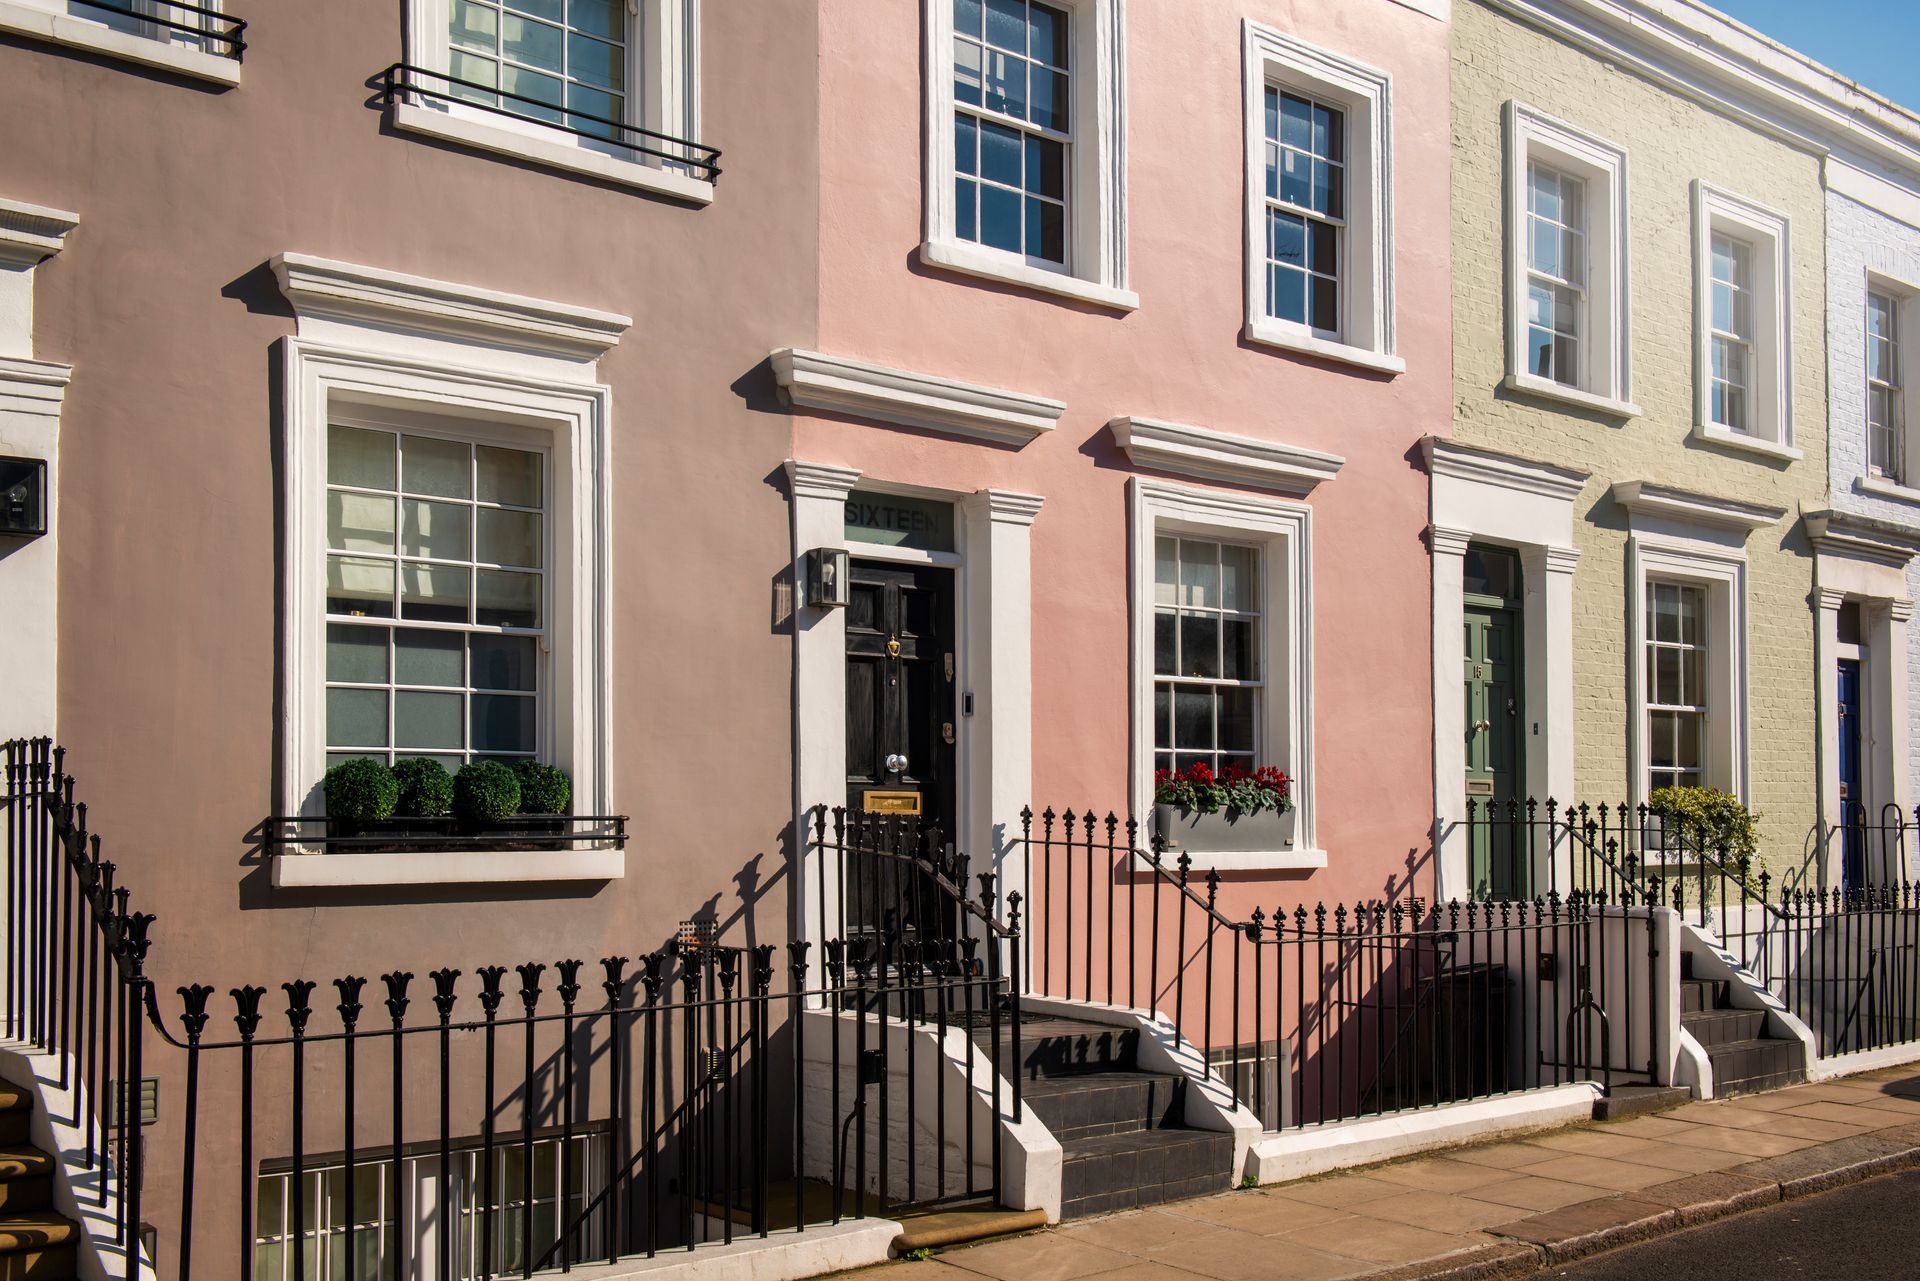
x,y
896,763
1481,727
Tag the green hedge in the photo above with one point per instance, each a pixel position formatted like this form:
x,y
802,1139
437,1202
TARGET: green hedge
x,y
361,790
485,792
426,789
1715,821
544,789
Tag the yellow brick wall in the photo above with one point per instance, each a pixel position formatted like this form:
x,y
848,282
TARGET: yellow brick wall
x,y
1670,141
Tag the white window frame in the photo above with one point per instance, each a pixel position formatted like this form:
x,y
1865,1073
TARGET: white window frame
x,y
119,36
1273,59
1282,530
406,346
663,60
1606,383
1723,575
1770,384
1906,303
1096,267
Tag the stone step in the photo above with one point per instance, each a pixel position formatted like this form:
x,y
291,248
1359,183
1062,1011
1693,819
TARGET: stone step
x,y
16,1115
1051,1047
1724,1027
26,1179
1703,994
1104,1174
38,1247
1639,1100
1746,1067
1090,1104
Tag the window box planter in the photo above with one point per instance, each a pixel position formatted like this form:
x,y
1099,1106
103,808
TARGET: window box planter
x,y
1224,831
425,835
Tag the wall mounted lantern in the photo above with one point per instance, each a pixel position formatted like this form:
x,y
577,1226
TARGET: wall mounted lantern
x,y
23,496
826,575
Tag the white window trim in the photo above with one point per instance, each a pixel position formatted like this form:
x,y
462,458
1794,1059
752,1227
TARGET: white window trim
x,y
1272,58
391,350
1606,386
50,21
1906,306
1770,395
1282,530
1723,572
1096,270
663,59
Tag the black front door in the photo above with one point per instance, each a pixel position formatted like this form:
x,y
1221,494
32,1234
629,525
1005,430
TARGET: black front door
x,y
901,725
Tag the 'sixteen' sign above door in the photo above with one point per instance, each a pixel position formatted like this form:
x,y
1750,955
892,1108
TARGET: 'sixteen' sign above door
x,y
895,520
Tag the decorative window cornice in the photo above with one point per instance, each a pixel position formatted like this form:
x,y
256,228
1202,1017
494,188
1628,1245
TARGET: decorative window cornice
x,y
1216,455
31,233
1643,499
323,289
1856,537
820,480
815,380
1509,471
1009,507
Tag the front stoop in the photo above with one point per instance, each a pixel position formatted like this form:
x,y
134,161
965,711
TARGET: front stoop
x,y
1745,1058
36,1244
1123,1140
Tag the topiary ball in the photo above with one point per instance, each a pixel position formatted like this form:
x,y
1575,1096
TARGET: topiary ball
x,y
361,790
485,792
426,789
544,789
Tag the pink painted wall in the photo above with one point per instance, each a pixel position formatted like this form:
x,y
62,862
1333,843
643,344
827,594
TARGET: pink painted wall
x,y
1178,357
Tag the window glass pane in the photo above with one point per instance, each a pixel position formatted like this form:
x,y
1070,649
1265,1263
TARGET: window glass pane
x,y
428,658
361,588
1046,168
441,468
1047,28
1046,230
1193,718
1007,24
536,44
1050,101
504,662
1325,312
509,476
1163,716
1199,574
506,599
606,18
1296,178
1164,661
502,723
356,654
536,86
1238,640
360,458
439,530
966,143
1238,590
1666,676
426,720
999,217
1660,738
1296,122
966,72
509,537
1287,239
480,71
596,62
966,17
1001,152
1287,295
966,206
1163,571
1200,645
359,522
553,10
1236,720
356,718
1006,83
433,593
474,25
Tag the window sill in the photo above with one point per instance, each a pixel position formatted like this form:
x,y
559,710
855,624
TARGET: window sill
x,y
1881,487
1294,860
1547,389
986,264
78,33
482,136
465,867
1273,333
1747,444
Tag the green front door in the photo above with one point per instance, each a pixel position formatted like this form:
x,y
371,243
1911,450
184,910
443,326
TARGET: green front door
x,y
1494,725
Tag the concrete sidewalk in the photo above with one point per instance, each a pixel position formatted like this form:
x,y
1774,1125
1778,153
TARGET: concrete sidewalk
x,y
1505,1209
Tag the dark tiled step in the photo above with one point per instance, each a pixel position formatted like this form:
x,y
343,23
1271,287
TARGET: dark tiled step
x,y
1742,1067
1097,1103
1062,1047
1703,994
1724,1027
1121,1171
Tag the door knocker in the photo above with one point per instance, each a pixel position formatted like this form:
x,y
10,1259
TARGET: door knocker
x,y
893,647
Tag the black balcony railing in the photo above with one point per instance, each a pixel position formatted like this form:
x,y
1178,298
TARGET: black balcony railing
x,y
174,20
404,82
507,1119
445,835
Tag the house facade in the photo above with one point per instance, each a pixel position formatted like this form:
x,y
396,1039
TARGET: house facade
x,y
1641,372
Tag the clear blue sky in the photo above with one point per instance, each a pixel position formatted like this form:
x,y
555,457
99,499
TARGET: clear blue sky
x,y
1876,42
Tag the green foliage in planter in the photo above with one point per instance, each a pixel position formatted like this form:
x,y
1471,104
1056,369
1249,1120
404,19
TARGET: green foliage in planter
x,y
544,789
485,792
360,790
426,789
1708,819
1198,790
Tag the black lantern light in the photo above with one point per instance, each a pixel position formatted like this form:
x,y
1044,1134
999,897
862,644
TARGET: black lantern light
x,y
826,574
23,497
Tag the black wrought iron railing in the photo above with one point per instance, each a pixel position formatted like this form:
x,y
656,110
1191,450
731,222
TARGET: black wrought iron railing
x,y
174,20
486,1120
1326,1012
404,82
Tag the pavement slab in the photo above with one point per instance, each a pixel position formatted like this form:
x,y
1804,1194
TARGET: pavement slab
x,y
1577,1230
1259,1212
1832,1164
1700,1197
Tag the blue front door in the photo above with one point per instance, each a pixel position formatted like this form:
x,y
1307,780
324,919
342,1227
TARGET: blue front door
x,y
1853,813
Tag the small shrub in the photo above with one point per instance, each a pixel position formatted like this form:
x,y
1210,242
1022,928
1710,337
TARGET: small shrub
x,y
361,790
485,792
426,789
1198,790
544,789
1709,820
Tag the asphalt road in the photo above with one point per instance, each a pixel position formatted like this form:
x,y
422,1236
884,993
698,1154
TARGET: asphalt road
x,y
1860,1233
